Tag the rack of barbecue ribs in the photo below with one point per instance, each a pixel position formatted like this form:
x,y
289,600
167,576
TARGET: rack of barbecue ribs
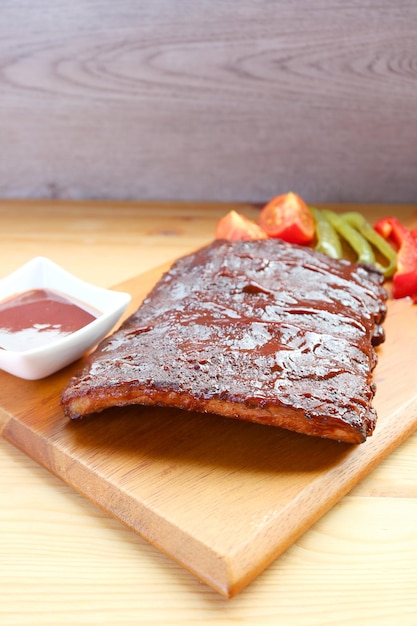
x,y
261,330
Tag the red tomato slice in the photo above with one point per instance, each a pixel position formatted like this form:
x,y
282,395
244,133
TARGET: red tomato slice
x,y
288,217
235,226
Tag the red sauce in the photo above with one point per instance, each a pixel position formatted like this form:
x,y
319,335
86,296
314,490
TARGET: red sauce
x,y
34,318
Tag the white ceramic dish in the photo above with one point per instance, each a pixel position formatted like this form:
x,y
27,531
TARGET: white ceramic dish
x,y
41,273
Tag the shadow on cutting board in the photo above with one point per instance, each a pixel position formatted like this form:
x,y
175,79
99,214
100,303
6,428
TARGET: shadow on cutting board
x,y
173,434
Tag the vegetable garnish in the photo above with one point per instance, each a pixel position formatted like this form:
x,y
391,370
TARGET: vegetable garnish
x,y
404,282
235,226
358,222
356,241
288,217
328,241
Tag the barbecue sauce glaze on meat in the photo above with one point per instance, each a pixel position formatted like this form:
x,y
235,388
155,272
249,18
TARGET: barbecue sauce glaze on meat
x,y
254,330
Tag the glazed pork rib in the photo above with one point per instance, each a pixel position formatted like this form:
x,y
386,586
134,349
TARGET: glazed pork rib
x,y
254,330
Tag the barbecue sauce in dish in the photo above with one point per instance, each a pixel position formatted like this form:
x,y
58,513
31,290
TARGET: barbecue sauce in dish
x,y
37,317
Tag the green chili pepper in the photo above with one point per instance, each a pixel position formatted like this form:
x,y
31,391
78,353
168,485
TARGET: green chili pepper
x,y
356,241
328,240
360,223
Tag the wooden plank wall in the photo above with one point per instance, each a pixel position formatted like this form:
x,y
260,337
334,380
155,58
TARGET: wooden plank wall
x,y
209,99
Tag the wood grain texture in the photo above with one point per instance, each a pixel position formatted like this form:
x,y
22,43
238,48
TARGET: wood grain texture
x,y
79,566
209,100
220,497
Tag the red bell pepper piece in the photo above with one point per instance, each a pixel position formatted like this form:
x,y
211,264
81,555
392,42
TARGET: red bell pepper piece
x,y
404,282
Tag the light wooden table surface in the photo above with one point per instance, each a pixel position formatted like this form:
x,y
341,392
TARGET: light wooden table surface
x,y
63,561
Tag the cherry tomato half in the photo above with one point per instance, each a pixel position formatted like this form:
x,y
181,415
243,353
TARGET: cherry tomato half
x,y
288,217
235,226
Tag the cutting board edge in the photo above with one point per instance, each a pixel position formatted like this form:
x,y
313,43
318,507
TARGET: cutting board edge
x,y
71,472
5,418
347,476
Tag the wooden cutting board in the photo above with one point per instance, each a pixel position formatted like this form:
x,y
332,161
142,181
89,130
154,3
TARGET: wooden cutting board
x,y
223,498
